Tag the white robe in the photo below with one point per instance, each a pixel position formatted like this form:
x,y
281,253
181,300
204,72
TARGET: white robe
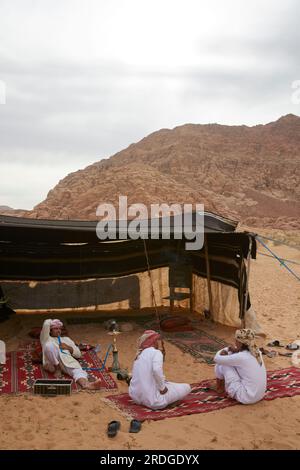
x,y
148,380
245,379
53,356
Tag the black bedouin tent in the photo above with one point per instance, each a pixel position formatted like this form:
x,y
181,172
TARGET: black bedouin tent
x,y
46,250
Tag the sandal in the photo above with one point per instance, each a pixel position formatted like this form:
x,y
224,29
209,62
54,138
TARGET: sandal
x,y
135,425
112,428
268,353
275,343
292,347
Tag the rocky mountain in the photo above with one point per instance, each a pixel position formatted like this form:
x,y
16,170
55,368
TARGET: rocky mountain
x,y
6,210
249,173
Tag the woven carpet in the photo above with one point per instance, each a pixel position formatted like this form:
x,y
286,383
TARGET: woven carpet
x,y
201,345
198,343
19,372
281,383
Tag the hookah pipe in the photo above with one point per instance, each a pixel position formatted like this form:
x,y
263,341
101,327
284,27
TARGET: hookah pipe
x,y
112,347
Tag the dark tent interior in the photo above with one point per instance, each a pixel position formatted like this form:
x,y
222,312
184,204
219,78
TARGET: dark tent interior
x,y
61,255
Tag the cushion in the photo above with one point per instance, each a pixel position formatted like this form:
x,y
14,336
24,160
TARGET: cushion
x,y
176,324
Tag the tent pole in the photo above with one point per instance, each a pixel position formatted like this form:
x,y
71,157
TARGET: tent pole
x,y
191,297
172,294
241,295
247,281
153,297
208,276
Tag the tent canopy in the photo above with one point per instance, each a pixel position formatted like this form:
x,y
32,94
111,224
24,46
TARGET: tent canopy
x,y
64,251
45,250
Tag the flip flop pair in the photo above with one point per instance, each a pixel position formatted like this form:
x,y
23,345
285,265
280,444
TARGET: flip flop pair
x,y
114,426
277,344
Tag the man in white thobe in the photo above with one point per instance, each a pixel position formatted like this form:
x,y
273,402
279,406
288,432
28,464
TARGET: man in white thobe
x,y
148,385
240,370
60,354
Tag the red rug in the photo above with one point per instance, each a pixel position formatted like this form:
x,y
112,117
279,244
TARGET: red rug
x,y
19,372
281,383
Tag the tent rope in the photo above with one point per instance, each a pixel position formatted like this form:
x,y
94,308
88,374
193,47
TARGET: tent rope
x,y
282,263
282,259
153,297
280,242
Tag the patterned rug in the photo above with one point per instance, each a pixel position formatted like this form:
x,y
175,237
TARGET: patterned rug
x,y
202,346
281,383
19,372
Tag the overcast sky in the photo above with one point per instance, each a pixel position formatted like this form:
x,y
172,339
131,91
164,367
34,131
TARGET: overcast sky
x,y
84,79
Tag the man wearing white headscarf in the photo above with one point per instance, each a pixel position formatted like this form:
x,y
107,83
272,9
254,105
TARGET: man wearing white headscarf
x,y
148,385
60,354
241,370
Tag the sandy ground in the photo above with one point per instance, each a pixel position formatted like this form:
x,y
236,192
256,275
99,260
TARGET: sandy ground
x,y
80,421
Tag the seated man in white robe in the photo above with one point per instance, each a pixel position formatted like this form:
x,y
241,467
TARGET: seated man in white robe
x,y
60,354
240,370
148,385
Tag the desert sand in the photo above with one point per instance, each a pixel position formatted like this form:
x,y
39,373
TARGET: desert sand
x,y
80,420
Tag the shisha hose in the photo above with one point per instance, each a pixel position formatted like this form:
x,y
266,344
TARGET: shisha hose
x,y
110,347
59,343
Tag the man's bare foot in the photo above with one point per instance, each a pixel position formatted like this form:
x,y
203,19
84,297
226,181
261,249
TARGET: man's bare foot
x,y
86,385
220,387
94,385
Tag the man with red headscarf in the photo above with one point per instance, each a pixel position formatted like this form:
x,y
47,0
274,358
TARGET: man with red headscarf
x,y
148,385
60,354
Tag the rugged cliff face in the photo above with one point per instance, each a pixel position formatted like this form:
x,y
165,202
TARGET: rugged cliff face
x,y
248,173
